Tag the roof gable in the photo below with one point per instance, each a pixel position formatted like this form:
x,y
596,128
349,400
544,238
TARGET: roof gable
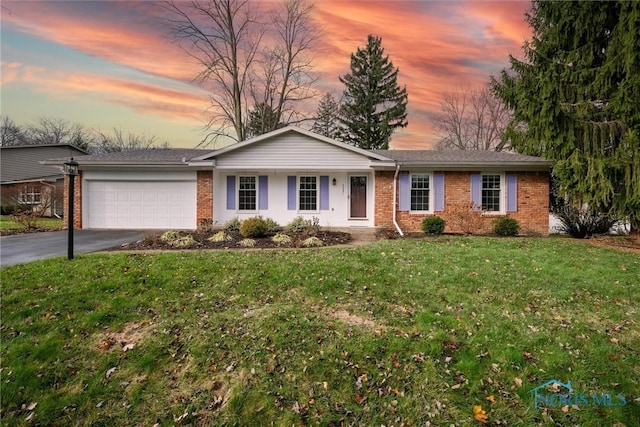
x,y
305,134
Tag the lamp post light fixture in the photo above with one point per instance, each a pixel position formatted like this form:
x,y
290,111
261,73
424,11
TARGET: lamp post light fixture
x,y
71,170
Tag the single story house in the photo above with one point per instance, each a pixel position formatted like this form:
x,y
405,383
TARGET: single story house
x,y
27,183
293,172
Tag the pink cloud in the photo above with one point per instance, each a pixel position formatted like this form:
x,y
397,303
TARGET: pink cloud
x,y
437,46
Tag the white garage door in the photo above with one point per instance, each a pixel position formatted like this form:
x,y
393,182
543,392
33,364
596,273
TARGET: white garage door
x,y
140,204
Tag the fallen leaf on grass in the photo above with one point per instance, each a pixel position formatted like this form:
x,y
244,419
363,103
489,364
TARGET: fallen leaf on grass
x,y
479,414
110,372
491,398
565,408
518,381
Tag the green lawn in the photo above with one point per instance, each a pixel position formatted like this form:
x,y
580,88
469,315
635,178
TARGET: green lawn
x,y
8,225
405,332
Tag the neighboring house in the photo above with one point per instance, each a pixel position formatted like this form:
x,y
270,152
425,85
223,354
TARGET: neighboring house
x,y
27,183
291,172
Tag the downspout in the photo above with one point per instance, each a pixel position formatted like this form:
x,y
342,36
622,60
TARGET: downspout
x,y
395,192
53,198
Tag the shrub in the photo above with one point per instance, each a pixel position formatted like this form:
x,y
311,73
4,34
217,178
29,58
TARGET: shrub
x,y
183,242
220,236
170,236
300,225
506,226
205,225
253,227
247,243
232,225
281,239
272,226
312,242
433,225
467,218
581,222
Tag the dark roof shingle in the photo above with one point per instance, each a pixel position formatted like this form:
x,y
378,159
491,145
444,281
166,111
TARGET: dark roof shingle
x,y
460,157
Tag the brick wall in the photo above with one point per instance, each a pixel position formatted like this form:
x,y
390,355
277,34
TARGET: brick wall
x,y
532,211
77,201
204,196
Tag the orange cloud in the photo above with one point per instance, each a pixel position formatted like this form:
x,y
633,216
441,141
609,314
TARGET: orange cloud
x,y
437,46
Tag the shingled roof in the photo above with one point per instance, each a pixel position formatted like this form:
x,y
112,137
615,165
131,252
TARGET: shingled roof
x,y
158,156
462,158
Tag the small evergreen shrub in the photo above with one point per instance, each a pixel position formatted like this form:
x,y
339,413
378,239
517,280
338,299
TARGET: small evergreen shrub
x,y
220,236
506,226
312,242
272,226
253,227
433,225
281,239
299,225
232,225
247,243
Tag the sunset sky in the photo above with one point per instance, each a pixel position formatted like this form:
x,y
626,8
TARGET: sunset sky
x,y
107,64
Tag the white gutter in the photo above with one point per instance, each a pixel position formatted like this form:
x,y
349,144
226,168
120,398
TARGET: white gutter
x,y
395,190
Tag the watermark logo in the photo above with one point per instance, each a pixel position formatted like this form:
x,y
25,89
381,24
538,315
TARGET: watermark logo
x,y
556,394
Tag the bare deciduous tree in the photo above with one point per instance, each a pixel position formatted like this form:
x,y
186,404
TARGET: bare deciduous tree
x,y
246,57
58,131
111,143
472,120
11,133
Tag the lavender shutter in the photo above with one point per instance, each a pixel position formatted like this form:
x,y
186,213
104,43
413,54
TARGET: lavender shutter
x,y
438,189
476,190
291,193
404,192
231,192
263,191
512,192
324,193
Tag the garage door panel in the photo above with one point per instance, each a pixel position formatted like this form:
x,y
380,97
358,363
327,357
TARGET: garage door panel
x,y
141,204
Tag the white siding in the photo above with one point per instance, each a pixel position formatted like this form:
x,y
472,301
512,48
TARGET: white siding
x,y
336,216
294,152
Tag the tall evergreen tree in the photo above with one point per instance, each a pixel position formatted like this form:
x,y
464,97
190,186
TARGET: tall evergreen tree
x,y
327,123
374,105
262,119
576,100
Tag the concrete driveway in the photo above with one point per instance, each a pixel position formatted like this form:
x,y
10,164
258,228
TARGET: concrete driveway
x,y
23,248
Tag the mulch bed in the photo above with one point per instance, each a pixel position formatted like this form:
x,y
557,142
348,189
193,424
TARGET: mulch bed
x,y
329,238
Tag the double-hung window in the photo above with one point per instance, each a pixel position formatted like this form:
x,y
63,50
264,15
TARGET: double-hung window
x,y
308,193
420,192
247,193
30,195
492,192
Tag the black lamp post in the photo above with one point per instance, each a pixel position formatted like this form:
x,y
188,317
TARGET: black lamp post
x,y
71,170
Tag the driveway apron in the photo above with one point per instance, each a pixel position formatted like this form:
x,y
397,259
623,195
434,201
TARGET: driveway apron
x,y
24,248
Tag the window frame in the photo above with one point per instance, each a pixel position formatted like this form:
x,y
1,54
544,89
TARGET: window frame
x,y
430,189
257,191
31,195
501,196
299,195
